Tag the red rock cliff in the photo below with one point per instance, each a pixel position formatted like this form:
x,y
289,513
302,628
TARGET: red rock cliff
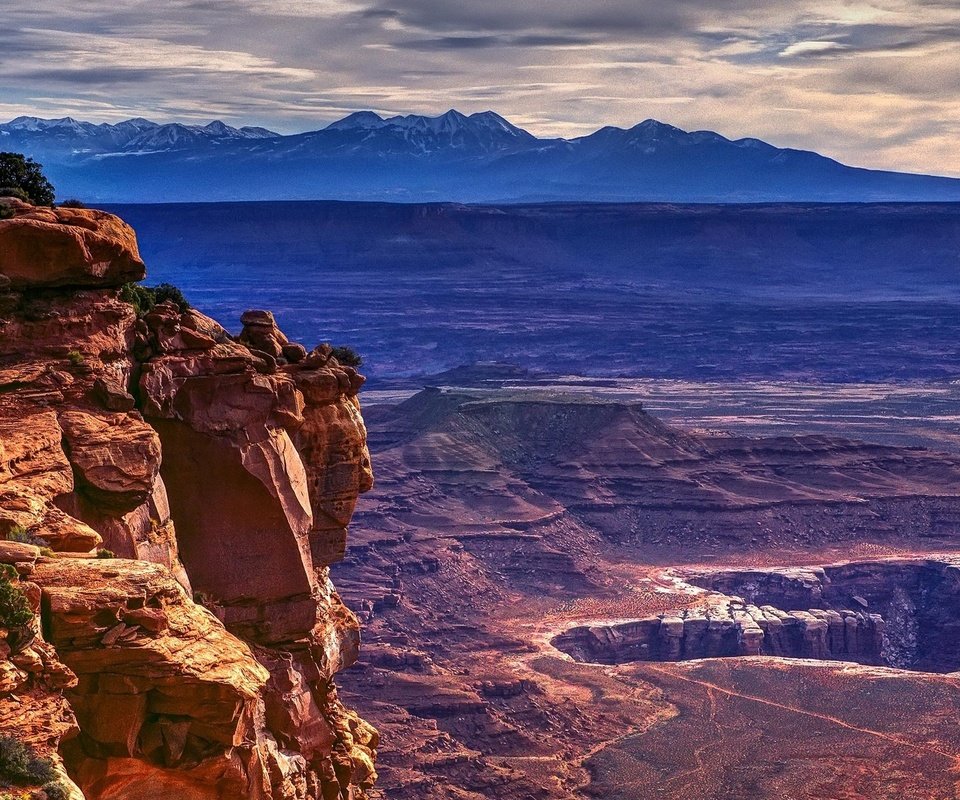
x,y
222,473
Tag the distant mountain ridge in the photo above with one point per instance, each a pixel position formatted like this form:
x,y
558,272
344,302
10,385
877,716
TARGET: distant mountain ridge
x,y
452,157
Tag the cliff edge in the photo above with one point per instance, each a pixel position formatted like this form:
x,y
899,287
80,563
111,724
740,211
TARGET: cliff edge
x,y
171,498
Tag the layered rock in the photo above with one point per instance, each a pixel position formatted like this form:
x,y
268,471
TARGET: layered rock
x,y
32,677
45,247
896,612
731,630
165,696
114,426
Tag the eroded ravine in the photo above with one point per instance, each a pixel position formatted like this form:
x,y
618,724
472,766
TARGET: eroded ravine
x,y
900,613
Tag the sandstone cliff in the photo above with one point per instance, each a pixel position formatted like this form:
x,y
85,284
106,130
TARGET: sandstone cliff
x,y
215,477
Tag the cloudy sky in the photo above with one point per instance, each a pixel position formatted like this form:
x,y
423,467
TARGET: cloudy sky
x,y
871,83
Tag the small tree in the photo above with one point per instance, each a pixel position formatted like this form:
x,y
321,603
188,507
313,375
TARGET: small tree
x,y
19,172
347,356
144,298
15,611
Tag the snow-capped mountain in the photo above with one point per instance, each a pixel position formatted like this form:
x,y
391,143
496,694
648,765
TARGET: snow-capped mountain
x,y
175,136
478,134
67,137
480,157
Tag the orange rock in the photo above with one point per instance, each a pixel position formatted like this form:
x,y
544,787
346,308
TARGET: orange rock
x,y
67,247
116,457
168,685
260,461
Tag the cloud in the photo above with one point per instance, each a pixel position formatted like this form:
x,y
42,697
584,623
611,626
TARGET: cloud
x,y
871,82
488,41
810,49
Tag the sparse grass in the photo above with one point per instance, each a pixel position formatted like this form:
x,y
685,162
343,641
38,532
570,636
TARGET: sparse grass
x,y
20,534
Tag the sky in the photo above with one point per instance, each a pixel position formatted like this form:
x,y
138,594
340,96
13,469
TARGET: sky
x,y
874,84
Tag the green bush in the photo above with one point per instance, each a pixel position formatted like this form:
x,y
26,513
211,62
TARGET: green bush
x,y
20,534
15,611
20,765
72,203
144,298
75,357
347,356
19,172
103,552
14,191
56,791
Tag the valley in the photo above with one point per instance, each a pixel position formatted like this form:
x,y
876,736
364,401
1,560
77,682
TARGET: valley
x,y
657,392
794,293
510,525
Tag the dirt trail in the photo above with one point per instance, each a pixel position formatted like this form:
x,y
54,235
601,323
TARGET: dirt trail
x,y
896,740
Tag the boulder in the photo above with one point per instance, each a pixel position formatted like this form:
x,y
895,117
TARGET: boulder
x,y
115,457
46,247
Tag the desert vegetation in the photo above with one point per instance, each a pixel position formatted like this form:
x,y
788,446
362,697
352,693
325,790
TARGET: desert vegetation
x,y
23,178
347,356
145,298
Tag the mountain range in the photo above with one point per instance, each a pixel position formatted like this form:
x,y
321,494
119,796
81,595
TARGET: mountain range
x,y
452,157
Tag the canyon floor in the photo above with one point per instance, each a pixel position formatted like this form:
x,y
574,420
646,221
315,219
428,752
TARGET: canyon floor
x,y
651,524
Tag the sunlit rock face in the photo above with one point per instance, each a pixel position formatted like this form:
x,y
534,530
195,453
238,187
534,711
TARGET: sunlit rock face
x,y
216,470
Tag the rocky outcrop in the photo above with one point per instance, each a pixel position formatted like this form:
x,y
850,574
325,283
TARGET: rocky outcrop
x,y
897,612
731,630
161,684
45,247
217,468
33,679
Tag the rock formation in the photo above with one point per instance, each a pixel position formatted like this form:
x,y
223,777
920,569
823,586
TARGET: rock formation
x,y
205,468
897,612
732,630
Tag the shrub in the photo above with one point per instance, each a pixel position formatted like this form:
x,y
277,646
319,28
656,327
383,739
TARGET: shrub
x,y
72,203
19,764
14,191
15,611
347,356
144,298
103,552
75,357
20,534
19,172
56,791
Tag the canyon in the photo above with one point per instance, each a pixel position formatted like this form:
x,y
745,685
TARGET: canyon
x,y
567,586
565,597
664,292
171,500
